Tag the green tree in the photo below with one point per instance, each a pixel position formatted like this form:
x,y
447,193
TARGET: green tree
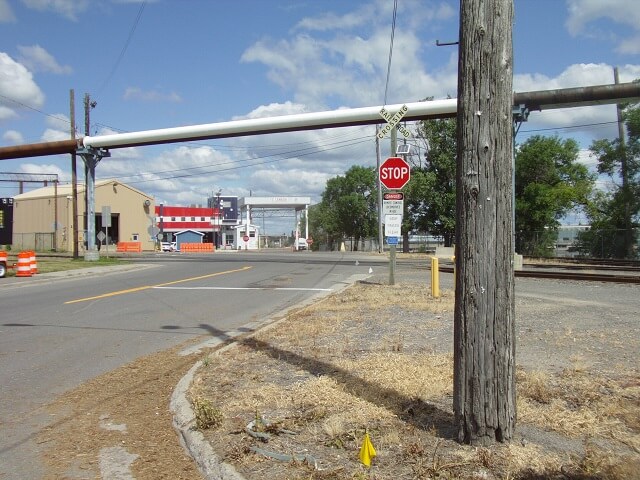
x,y
549,182
348,208
431,193
614,214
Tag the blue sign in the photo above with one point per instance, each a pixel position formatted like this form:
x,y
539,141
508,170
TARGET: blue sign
x,y
392,240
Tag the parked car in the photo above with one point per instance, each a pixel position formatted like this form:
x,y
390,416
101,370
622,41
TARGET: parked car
x,y
168,246
302,244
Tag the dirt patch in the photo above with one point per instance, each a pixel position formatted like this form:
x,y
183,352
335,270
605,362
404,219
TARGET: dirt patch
x,y
120,422
295,400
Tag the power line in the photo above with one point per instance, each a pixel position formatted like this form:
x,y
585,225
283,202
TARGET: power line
x,y
249,163
124,48
597,124
13,100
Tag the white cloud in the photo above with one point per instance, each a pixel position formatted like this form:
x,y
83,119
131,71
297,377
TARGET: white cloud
x,y
583,13
588,122
577,75
37,59
135,93
59,121
274,110
344,58
67,8
6,13
6,113
357,75
53,135
51,169
16,83
630,45
13,137
331,21
299,182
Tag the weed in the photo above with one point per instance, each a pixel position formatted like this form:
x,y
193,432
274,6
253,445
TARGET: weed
x,y
536,386
207,416
485,457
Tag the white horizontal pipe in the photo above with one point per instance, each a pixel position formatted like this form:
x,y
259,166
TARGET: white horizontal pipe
x,y
352,116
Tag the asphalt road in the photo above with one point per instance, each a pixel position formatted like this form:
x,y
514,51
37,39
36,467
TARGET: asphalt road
x,y
59,330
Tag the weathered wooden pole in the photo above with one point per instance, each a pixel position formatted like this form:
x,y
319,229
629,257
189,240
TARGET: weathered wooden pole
x,y
484,400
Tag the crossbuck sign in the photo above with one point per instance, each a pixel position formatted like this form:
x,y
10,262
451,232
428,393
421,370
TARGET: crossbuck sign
x,y
392,121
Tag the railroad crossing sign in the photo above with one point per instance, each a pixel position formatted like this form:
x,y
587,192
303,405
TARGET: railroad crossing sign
x,y
393,120
394,173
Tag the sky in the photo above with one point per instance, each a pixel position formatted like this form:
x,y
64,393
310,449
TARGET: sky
x,y
167,63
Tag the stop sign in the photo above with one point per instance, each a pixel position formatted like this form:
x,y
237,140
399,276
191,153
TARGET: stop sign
x,y
394,173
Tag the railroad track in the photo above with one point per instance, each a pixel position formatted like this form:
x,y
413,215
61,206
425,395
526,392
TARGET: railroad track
x,y
575,276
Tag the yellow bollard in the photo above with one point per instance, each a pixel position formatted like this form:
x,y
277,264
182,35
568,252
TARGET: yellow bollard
x,y
453,259
435,278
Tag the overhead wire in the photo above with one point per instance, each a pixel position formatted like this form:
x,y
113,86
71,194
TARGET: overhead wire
x,y
237,167
124,48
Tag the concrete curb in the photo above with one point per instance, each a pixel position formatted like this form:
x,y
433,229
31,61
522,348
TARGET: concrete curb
x,y
208,462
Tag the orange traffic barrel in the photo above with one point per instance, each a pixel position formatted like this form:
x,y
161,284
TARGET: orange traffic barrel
x,y
24,264
32,262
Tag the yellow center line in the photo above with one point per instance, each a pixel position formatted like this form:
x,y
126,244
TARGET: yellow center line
x,y
146,287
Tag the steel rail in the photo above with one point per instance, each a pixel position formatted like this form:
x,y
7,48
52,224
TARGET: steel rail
x,y
574,276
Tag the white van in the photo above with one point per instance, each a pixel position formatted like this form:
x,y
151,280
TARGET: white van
x,y
302,244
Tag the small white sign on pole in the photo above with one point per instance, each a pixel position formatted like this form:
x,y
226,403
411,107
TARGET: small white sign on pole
x,y
392,207
392,225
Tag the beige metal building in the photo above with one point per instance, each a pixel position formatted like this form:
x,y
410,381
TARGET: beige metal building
x,y
43,218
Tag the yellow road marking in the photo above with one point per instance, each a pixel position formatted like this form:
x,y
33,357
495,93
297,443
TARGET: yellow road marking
x,y
146,287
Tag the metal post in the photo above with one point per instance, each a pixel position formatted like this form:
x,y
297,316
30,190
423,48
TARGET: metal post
x,y
392,248
91,158
55,216
306,222
378,160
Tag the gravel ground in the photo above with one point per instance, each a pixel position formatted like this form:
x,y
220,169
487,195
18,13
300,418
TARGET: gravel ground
x,y
576,344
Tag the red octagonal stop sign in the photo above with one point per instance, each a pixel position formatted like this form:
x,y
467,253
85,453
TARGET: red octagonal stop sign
x,y
395,173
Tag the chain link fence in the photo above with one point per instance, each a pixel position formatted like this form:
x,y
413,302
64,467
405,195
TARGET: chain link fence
x,y
580,241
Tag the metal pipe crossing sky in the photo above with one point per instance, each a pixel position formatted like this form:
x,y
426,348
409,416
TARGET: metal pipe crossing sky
x,y
532,101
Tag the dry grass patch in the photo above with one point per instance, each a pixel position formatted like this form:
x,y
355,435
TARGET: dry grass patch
x,y
332,372
580,404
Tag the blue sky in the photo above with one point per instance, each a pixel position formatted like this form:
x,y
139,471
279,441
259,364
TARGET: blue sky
x,y
169,63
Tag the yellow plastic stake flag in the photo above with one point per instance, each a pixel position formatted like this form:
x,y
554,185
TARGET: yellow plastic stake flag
x,y
367,452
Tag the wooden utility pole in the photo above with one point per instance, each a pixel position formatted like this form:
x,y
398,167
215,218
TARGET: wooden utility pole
x,y
484,400
74,178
